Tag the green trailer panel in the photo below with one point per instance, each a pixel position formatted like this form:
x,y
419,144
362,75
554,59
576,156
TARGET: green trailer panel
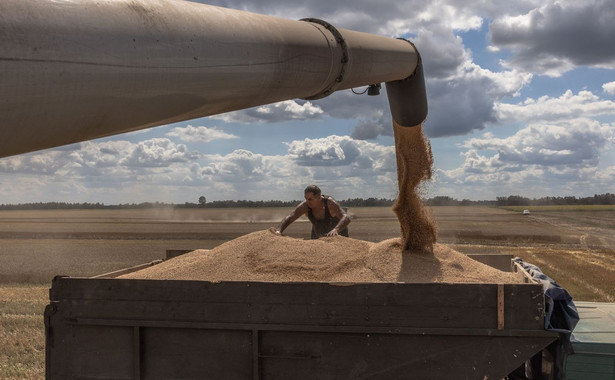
x,y
593,341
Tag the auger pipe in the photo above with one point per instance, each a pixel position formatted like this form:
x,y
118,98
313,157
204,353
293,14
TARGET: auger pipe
x,y
75,70
408,97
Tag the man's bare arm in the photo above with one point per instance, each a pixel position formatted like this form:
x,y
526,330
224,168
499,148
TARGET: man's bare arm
x,y
336,210
296,214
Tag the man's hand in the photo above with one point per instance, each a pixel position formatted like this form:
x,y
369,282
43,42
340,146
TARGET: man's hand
x,y
333,232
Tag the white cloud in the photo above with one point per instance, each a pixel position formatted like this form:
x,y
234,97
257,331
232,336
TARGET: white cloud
x,y
157,152
532,181
321,152
158,169
100,158
199,134
609,88
38,163
240,165
379,124
558,36
276,112
576,143
387,17
459,106
243,174
300,111
343,166
569,105
459,103
442,52
539,160
341,151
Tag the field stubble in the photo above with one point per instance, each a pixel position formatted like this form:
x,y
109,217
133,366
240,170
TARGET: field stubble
x,y
22,332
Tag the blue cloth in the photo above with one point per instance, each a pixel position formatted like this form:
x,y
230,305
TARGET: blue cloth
x,y
561,314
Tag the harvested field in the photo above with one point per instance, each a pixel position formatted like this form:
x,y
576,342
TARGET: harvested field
x,y
575,247
22,331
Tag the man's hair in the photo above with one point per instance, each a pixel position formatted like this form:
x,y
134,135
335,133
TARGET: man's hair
x,y
312,189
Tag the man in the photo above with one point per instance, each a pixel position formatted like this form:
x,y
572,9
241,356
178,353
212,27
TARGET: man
x,y
327,216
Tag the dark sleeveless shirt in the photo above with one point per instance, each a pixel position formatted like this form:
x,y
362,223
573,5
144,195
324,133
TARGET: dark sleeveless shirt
x,y
320,227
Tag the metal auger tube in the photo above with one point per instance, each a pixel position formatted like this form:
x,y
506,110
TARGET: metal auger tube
x,y
75,70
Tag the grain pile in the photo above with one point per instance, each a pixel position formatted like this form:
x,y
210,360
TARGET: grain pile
x,y
267,256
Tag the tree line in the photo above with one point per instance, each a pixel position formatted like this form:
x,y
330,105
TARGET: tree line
x,y
517,200
511,200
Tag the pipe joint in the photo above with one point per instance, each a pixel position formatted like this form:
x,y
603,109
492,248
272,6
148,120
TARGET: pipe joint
x,y
334,81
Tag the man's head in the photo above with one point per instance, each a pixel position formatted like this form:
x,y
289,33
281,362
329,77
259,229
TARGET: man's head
x,y
312,189
312,196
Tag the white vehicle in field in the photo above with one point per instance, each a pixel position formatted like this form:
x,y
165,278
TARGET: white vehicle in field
x,y
526,212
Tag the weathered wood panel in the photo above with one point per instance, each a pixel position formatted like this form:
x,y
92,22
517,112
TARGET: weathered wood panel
x,y
390,304
156,329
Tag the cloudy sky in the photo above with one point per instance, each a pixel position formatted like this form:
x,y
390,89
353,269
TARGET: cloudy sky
x,y
521,102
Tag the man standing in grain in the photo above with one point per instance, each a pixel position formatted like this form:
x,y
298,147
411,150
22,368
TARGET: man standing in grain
x,y
327,216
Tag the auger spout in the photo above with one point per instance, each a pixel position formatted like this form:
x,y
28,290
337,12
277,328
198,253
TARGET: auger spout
x,y
75,70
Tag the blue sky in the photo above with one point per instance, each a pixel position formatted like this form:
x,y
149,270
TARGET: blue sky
x,y
521,102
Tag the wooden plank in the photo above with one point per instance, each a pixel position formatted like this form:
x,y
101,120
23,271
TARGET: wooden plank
x,y
256,375
136,352
459,331
498,261
525,305
197,354
351,356
328,315
468,316
517,268
127,270
304,292
427,305
97,352
500,306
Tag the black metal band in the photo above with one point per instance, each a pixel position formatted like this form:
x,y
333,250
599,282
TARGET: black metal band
x,y
331,87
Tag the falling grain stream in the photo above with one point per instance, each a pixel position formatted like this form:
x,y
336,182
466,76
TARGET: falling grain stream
x,y
414,163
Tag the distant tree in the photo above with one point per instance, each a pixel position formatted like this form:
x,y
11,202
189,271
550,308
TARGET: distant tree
x,y
202,201
512,200
442,201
